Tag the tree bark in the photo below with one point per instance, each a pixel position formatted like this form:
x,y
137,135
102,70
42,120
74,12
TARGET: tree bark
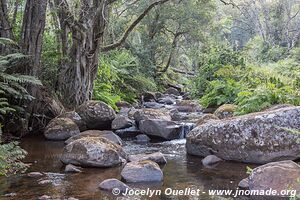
x,y
32,32
5,26
81,51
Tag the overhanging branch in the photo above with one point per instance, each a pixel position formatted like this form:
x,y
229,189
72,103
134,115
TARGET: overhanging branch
x,y
132,26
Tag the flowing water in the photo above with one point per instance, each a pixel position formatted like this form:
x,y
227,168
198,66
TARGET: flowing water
x,y
181,171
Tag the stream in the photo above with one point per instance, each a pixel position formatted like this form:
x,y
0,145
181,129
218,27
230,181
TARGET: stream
x,y
180,172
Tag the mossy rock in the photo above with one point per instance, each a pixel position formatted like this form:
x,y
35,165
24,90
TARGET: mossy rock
x,y
206,118
225,111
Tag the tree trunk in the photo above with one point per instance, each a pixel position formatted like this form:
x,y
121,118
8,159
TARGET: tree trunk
x,y
32,32
5,27
79,67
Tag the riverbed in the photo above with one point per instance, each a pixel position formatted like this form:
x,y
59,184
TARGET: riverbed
x,y
182,171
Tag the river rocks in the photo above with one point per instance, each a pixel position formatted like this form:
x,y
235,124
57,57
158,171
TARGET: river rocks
x,y
161,128
210,160
142,171
153,105
244,184
61,129
44,182
255,138
93,152
97,115
74,116
110,184
155,157
128,132
44,197
35,174
167,100
142,139
225,111
276,175
121,122
147,113
185,116
188,106
96,133
205,118
72,169
172,90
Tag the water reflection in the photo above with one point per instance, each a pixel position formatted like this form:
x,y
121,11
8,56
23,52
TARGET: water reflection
x,y
182,171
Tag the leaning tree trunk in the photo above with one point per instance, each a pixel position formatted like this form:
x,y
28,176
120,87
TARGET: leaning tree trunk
x,y
80,64
32,32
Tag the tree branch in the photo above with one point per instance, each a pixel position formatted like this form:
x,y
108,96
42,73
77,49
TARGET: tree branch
x,y
132,26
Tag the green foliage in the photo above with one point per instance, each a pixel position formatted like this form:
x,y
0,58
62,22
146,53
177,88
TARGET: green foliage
x,y
253,89
11,155
12,86
119,78
210,61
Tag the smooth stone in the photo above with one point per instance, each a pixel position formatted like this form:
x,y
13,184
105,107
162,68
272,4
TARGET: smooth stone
x,y
211,160
72,169
121,122
157,157
110,184
142,138
35,174
44,197
142,171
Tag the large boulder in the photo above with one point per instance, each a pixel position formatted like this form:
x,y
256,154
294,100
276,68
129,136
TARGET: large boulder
x,y
61,129
93,152
147,113
168,130
97,115
254,138
185,116
96,133
142,171
225,111
121,122
74,116
279,176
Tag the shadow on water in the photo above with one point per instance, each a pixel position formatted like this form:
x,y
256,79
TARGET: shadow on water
x,y
181,171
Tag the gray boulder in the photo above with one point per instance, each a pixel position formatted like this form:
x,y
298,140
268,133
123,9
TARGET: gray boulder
x,y
96,133
157,157
74,116
161,128
110,184
167,100
142,171
254,138
128,132
210,160
142,139
93,152
147,113
279,176
97,115
61,129
121,122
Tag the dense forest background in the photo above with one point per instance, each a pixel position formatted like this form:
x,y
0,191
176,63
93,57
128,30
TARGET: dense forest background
x,y
57,54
